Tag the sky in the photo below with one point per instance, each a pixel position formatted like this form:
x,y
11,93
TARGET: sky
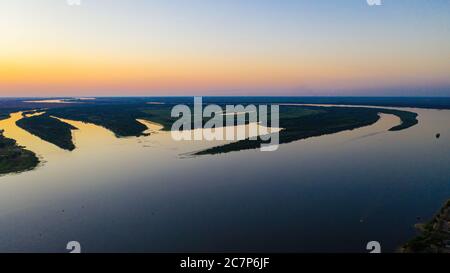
x,y
224,47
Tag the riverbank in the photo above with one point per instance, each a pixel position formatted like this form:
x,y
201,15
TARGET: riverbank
x,y
306,121
435,235
14,158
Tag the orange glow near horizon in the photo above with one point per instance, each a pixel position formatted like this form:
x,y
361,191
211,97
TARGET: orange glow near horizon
x,y
53,50
48,76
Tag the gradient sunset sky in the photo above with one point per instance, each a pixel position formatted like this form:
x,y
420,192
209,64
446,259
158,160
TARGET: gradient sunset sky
x,y
224,47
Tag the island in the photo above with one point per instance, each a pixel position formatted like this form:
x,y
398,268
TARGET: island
x,y
121,115
49,129
14,158
301,122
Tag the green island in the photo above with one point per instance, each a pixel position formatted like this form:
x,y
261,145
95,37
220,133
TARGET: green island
x,y
13,158
301,122
120,117
435,234
49,129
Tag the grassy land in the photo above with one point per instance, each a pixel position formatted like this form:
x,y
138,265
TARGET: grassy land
x,y
318,121
408,119
14,158
435,235
299,122
120,119
120,115
49,129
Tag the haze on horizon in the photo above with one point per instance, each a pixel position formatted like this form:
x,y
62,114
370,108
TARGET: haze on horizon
x,y
224,47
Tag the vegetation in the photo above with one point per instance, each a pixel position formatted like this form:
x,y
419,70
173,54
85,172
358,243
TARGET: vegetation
x,y
408,119
319,121
49,129
120,116
435,235
120,119
14,158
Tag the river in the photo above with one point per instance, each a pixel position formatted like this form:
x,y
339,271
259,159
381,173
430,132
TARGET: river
x,y
332,193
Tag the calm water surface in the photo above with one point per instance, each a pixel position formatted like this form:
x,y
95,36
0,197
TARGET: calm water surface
x,y
329,193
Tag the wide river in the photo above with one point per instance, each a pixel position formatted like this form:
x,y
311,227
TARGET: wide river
x,y
330,193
